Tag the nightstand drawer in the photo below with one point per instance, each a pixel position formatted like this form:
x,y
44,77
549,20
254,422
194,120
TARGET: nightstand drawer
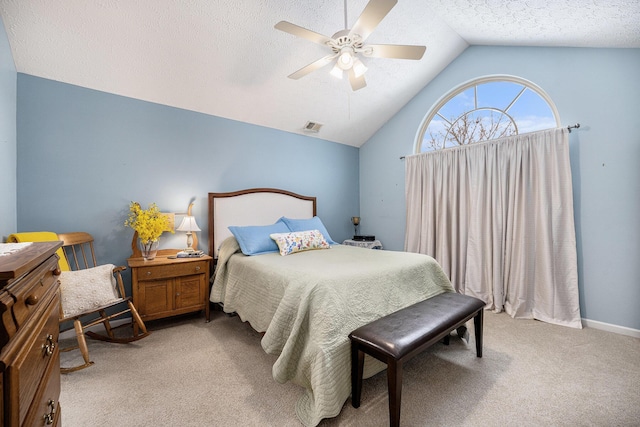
x,y
172,270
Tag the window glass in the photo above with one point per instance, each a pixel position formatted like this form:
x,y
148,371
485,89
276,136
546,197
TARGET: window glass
x,y
458,105
532,113
487,108
497,94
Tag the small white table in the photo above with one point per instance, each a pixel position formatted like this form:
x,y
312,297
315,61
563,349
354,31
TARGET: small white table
x,y
373,244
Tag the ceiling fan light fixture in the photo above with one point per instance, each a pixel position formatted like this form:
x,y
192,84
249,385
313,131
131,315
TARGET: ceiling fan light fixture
x,y
345,60
336,71
359,68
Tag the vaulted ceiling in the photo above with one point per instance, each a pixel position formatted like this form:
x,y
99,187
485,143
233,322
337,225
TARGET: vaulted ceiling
x,y
225,58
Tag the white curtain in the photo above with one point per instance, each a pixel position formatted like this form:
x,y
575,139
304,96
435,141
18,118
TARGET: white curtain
x,y
498,217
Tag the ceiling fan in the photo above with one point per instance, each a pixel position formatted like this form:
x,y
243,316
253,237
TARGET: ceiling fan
x,y
346,45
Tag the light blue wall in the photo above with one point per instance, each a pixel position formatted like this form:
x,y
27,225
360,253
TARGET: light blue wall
x,y
83,155
8,77
600,89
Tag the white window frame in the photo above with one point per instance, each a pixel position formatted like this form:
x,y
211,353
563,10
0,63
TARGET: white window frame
x,y
435,108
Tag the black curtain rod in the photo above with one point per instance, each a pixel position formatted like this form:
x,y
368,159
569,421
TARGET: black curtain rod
x,y
576,126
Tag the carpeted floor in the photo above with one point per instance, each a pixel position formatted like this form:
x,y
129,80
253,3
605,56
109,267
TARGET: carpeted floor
x,y
192,373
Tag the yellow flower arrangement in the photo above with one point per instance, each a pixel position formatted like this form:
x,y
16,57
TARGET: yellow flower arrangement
x,y
149,223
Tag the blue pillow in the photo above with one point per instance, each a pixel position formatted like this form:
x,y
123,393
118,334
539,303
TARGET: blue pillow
x,y
255,239
308,224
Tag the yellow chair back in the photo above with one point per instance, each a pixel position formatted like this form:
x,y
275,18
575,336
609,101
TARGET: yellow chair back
x,y
41,236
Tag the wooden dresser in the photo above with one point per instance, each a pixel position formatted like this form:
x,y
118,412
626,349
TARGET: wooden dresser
x,y
167,286
30,358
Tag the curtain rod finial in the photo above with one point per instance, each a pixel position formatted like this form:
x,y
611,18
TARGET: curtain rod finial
x,y
576,126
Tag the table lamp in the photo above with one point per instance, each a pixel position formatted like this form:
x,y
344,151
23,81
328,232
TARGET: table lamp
x,y
355,220
189,225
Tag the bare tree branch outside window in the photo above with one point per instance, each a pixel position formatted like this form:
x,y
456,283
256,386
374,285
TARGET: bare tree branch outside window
x,y
475,126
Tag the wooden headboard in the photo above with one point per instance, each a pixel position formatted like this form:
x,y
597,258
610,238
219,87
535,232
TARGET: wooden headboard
x,y
255,206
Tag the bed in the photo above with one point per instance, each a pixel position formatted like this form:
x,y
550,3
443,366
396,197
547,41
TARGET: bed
x,y
307,302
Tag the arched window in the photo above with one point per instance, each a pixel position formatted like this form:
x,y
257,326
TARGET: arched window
x,y
486,108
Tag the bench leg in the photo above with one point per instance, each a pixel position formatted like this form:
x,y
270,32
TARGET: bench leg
x,y
394,381
477,322
357,369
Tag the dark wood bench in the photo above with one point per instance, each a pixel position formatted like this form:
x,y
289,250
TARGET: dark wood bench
x,y
398,337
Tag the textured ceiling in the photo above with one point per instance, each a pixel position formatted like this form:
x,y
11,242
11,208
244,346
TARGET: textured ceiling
x,y
225,58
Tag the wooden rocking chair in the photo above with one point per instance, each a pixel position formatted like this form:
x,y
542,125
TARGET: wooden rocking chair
x,y
87,291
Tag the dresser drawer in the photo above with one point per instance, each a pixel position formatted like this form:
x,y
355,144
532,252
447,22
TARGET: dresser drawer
x,y
33,290
172,270
45,410
38,354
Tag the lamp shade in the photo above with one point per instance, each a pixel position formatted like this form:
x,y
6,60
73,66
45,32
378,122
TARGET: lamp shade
x,y
336,71
359,68
188,224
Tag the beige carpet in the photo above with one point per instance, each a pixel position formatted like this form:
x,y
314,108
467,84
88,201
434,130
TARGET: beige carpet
x,y
192,373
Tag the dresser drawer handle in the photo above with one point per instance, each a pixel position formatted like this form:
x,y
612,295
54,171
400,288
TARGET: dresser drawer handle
x,y
198,268
49,346
48,418
32,300
148,273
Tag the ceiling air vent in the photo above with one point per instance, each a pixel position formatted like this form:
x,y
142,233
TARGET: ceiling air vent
x,y
312,127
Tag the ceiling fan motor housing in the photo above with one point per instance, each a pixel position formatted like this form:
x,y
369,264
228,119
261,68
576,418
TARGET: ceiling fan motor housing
x,y
342,39
346,46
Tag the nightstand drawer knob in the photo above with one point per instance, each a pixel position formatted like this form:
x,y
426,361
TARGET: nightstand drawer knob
x,y
198,268
148,273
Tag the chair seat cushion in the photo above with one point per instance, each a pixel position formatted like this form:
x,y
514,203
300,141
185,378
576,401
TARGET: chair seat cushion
x,y
83,291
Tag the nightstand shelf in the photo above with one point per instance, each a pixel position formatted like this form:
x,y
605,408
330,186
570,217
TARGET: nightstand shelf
x,y
168,286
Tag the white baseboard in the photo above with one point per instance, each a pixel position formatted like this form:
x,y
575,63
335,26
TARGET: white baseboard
x,y
622,330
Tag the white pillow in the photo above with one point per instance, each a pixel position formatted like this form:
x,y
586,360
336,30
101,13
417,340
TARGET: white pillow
x,y
86,290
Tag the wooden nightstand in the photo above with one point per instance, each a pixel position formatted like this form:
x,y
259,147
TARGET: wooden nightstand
x,y
167,286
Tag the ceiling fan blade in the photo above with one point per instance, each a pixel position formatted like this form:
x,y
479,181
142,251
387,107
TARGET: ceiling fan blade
x,y
297,30
356,82
312,67
396,51
373,13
